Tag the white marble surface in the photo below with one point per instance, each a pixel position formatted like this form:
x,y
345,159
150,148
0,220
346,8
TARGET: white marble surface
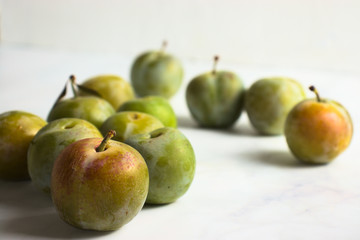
x,y
246,186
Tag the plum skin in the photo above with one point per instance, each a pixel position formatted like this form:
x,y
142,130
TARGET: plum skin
x,y
156,73
93,109
112,88
17,129
130,123
48,144
99,190
171,163
156,106
268,102
215,100
317,132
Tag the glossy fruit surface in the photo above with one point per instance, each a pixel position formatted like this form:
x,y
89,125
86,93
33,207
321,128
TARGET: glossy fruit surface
x,y
317,132
156,73
48,144
112,88
17,129
130,123
171,162
215,99
156,106
99,190
268,102
93,109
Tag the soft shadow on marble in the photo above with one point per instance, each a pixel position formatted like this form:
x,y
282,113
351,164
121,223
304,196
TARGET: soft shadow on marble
x,y
277,158
33,214
47,225
238,129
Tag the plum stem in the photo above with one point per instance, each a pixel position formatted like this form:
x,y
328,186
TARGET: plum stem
x,y
73,85
63,92
163,46
105,141
313,89
216,60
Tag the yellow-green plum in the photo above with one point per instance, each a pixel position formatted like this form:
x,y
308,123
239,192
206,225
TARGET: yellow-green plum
x,y
171,162
49,142
156,73
268,102
156,106
112,88
99,184
91,108
215,99
318,130
129,123
17,129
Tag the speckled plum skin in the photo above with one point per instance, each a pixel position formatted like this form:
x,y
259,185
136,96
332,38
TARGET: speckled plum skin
x,y
48,144
215,100
99,190
112,88
93,109
156,106
156,73
317,132
171,162
268,102
17,129
130,123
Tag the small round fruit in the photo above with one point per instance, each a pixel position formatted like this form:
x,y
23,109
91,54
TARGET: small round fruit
x,y
93,109
156,106
156,73
99,185
17,129
215,99
318,130
112,88
171,162
129,123
268,102
49,142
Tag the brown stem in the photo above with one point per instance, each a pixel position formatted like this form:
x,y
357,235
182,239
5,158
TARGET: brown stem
x,y
216,60
73,85
313,89
163,46
63,92
105,141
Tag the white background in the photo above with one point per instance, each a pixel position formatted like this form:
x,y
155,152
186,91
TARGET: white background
x,y
312,33
246,186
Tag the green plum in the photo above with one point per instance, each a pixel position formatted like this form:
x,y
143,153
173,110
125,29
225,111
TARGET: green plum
x,y
130,123
50,141
171,162
156,106
99,184
91,108
156,73
17,129
318,130
112,88
268,102
215,99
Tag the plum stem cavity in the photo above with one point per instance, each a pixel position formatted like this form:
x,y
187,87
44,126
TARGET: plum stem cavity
x,y
103,144
313,89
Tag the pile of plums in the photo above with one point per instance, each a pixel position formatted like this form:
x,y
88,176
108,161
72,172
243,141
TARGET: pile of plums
x,y
316,130
112,146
